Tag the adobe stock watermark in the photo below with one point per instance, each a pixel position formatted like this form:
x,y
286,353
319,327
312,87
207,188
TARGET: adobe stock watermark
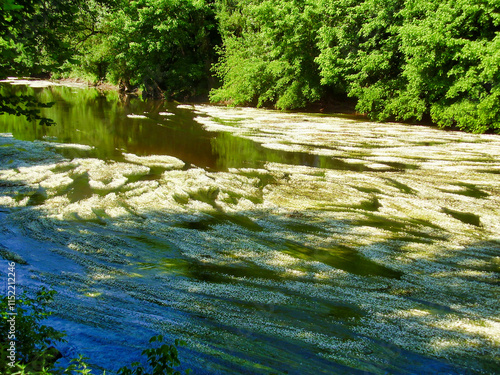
x,y
11,314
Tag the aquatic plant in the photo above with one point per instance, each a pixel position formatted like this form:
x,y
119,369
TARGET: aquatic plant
x,y
387,257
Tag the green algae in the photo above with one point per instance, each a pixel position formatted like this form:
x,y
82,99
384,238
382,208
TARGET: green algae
x,y
265,178
33,198
63,167
37,198
152,176
224,273
372,204
399,185
170,266
154,244
301,227
464,217
404,226
220,218
204,225
234,197
341,257
79,189
228,122
11,256
368,190
468,191
207,195
76,217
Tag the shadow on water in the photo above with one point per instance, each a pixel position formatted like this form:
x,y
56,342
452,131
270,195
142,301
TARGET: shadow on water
x,y
405,230
464,217
469,190
217,218
341,257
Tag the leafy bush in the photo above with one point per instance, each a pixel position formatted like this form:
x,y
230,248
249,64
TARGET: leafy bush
x,y
408,59
162,360
35,354
32,338
268,53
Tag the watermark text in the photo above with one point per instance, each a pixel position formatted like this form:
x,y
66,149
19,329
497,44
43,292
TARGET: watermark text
x,y
11,313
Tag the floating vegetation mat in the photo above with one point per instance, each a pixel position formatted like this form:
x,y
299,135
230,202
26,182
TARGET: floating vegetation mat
x,y
364,248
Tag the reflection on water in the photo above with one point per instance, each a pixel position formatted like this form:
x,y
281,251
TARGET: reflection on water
x,y
271,242
111,125
89,117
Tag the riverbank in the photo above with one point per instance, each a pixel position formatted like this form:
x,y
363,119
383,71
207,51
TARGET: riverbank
x,y
102,86
68,82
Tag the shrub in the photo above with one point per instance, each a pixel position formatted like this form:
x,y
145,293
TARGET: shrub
x,y
35,354
162,360
33,340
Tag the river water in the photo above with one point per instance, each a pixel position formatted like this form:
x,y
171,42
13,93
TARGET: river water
x,y
271,242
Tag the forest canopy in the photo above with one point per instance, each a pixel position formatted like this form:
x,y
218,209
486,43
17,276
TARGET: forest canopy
x,y
398,59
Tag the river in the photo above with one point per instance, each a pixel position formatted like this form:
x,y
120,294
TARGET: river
x,y
271,242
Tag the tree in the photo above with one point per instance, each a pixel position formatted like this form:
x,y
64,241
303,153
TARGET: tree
x,y
408,59
36,38
452,55
163,46
268,53
359,47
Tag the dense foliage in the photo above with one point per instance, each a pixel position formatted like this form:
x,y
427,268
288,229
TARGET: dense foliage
x,y
36,38
34,351
400,59
452,61
33,339
408,59
174,36
268,52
